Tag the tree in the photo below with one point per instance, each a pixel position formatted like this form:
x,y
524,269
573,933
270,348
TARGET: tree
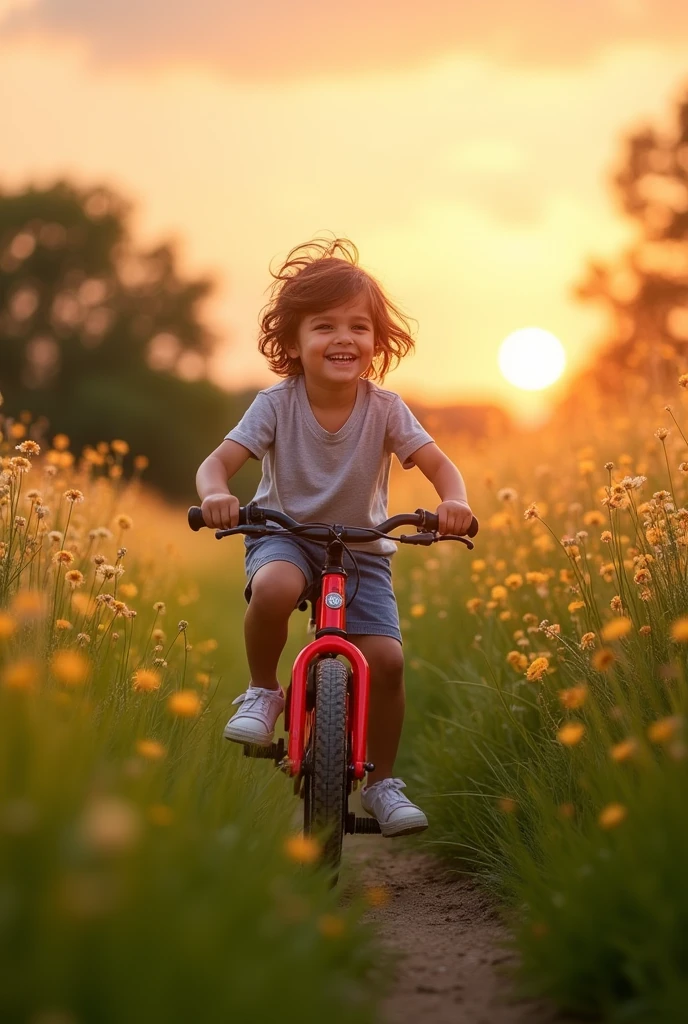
x,y
103,339
645,291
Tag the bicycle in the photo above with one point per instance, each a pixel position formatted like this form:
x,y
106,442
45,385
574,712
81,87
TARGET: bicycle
x,y
326,709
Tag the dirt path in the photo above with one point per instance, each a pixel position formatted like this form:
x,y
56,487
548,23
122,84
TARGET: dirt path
x,y
453,967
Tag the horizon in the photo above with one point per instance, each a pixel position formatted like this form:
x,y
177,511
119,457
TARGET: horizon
x,y
469,195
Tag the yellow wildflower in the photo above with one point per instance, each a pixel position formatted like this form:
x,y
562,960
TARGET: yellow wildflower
x,y
21,675
63,624
29,448
302,849
612,815
124,522
603,659
664,729
679,629
146,679
473,604
70,667
575,605
574,696
624,750
417,610
8,625
184,704
63,557
593,518
514,581
119,447
498,593
517,660
150,749
29,604
587,641
571,733
60,442
537,669
617,628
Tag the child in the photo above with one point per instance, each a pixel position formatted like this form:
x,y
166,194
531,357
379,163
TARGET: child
x,y
326,435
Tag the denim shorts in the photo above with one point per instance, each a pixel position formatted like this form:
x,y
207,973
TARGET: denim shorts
x,y
373,610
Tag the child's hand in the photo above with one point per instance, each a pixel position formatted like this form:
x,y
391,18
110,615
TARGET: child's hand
x,y
220,511
455,517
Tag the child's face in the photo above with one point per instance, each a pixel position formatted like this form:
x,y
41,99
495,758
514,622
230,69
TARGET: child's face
x,y
337,346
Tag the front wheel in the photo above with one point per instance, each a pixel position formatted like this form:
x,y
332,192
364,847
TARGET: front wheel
x,y
326,779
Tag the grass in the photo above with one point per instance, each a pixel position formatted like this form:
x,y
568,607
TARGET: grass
x,y
147,871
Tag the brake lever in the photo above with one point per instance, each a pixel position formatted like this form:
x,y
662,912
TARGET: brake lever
x,y
248,531
417,538
430,538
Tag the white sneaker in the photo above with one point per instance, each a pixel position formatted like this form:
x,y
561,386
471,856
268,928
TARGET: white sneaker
x,y
395,813
255,721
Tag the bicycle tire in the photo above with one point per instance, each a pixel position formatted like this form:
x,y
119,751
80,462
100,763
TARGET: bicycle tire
x,y
326,784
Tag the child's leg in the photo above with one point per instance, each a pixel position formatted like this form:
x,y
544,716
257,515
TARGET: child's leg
x,y
275,589
386,711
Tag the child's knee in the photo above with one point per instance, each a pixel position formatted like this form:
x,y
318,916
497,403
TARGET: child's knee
x,y
276,587
387,664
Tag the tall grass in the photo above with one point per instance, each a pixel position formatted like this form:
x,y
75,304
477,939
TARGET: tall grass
x,y
548,732
147,872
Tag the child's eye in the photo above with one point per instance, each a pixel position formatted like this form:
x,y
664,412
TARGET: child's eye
x,y
318,326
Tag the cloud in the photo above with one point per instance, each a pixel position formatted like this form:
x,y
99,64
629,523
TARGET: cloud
x,y
263,40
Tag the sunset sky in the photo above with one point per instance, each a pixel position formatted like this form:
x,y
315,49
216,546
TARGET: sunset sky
x,y
465,147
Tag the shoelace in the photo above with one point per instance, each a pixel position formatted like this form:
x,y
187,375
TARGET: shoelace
x,y
393,787
255,700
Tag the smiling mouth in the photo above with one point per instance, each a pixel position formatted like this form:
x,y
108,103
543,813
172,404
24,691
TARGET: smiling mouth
x,y
342,358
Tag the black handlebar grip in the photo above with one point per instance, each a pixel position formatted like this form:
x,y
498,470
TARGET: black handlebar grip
x,y
432,522
195,517
197,522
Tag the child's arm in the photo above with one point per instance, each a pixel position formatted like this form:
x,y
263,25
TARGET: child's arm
x,y
454,512
220,507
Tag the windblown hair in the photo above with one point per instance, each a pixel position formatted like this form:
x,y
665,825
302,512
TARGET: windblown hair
x,y
317,276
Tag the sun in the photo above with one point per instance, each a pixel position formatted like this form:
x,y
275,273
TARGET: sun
x,y
531,358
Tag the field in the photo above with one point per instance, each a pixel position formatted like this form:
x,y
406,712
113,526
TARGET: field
x,y
150,873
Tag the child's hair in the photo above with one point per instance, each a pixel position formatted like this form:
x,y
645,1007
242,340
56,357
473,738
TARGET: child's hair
x,y
314,278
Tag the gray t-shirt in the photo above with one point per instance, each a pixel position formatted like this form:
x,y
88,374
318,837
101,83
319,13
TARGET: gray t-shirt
x,y
317,476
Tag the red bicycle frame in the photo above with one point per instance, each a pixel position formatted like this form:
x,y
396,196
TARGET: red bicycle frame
x,y
330,614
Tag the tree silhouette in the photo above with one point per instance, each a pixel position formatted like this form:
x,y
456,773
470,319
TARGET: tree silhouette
x,y
104,339
645,291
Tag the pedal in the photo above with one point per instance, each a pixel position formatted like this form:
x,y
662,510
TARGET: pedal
x,y
274,752
365,826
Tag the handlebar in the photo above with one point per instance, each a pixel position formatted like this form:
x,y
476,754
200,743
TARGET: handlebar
x,y
253,522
